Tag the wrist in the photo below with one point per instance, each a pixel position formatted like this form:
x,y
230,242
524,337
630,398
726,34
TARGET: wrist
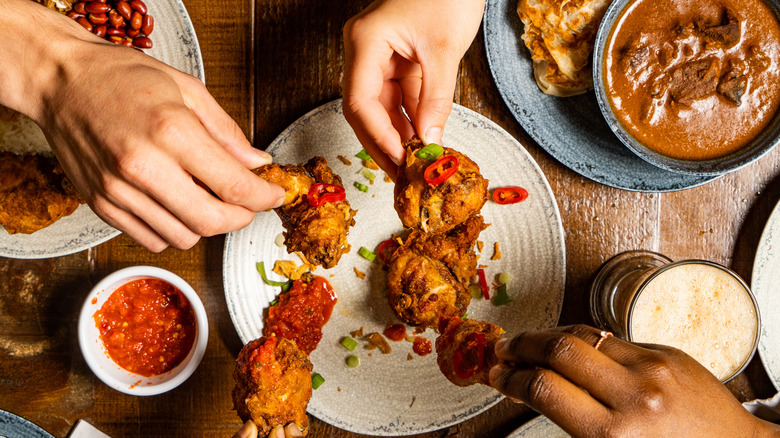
x,y
35,42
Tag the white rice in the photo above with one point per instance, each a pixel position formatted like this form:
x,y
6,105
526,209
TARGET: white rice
x,y
22,136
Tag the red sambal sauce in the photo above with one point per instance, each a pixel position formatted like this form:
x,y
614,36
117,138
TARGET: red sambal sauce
x,y
422,346
147,326
395,332
301,313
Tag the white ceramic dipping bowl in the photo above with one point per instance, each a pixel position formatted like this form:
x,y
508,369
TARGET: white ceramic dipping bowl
x,y
95,352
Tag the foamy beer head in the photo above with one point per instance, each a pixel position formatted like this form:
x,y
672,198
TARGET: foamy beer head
x,y
701,308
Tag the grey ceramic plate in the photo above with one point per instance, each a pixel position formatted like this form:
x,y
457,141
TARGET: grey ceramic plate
x,y
390,395
764,283
539,427
570,129
14,426
175,44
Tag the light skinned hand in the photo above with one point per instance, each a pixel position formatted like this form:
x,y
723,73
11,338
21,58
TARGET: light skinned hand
x,y
249,430
621,389
140,140
403,55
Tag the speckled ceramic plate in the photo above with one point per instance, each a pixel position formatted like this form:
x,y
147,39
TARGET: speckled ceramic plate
x,y
14,426
539,427
398,394
765,283
570,129
175,44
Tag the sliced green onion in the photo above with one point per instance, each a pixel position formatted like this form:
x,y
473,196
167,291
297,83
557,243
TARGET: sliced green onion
x,y
261,269
287,286
361,187
368,174
317,380
501,298
476,290
465,316
367,253
353,361
349,343
504,278
429,152
363,155
274,302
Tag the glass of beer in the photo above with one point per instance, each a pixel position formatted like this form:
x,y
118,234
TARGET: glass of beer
x,y
699,307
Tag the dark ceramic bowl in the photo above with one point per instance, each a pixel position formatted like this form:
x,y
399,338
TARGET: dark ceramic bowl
x,y
752,151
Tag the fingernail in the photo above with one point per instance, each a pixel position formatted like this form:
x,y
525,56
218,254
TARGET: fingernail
x,y
247,430
293,430
432,135
396,159
500,344
277,432
494,372
279,202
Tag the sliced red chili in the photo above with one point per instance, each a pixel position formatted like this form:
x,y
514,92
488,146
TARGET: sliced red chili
x,y
483,284
509,195
389,246
441,170
477,342
320,194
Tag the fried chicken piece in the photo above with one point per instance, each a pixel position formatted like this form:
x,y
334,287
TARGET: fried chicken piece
x,y
34,193
429,274
319,233
435,208
273,384
466,350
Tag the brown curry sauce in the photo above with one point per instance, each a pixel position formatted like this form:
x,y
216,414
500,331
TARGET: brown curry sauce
x,y
694,80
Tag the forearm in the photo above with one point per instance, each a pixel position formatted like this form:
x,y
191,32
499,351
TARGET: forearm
x,y
34,44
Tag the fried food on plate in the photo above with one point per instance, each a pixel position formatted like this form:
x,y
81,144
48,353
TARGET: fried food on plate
x,y
560,35
466,350
34,193
435,195
315,215
429,274
273,384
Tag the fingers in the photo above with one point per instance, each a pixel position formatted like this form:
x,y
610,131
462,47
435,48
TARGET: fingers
x,y
289,431
549,393
248,430
571,357
439,75
130,224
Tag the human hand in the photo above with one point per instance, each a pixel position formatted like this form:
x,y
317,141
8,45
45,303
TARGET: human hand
x,y
249,430
142,141
403,55
621,389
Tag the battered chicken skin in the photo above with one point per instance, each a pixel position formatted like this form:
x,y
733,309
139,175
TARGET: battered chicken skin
x,y
468,345
429,274
441,207
34,193
273,384
319,233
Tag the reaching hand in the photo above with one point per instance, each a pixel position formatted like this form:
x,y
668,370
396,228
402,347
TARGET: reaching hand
x,y
403,55
621,389
249,430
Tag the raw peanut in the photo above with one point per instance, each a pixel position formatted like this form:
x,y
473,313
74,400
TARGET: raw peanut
x,y
73,14
116,39
147,26
84,23
79,8
114,18
132,33
101,1
136,20
98,18
112,31
124,9
142,43
139,6
97,8
100,30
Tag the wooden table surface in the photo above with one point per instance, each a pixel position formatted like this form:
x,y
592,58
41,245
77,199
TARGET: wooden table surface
x,y
268,63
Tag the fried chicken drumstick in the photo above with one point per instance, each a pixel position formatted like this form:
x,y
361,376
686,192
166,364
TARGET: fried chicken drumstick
x,y
273,384
466,350
315,215
436,195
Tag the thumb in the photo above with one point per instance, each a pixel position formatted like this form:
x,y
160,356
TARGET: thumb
x,y
436,94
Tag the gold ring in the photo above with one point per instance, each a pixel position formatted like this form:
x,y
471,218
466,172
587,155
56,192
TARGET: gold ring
x,y
604,335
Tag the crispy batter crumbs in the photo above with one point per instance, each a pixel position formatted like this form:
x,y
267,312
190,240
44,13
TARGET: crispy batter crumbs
x,y
371,164
377,341
357,333
359,274
289,269
344,160
409,356
388,179
496,252
480,245
483,266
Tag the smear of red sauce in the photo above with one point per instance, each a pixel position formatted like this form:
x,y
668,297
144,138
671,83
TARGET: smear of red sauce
x,y
421,346
395,332
147,326
301,313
